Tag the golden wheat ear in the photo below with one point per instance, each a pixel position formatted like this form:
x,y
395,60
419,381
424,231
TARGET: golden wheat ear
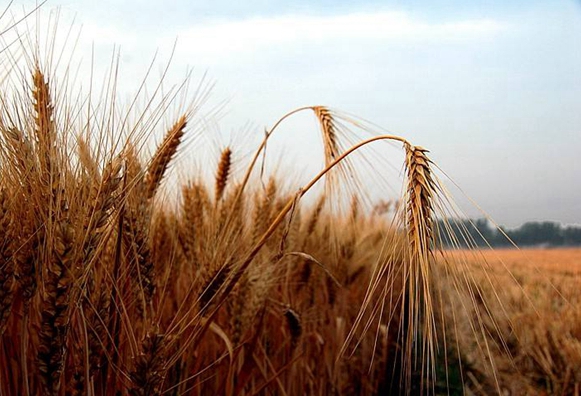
x,y
328,133
55,308
44,123
102,200
223,172
163,156
418,309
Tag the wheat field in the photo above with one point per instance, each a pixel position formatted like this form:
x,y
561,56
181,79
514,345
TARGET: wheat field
x,y
538,348
117,277
106,289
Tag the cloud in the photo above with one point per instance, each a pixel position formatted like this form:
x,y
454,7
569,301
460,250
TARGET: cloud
x,y
221,39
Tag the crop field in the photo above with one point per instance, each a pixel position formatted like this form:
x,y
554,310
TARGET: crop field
x,y
532,320
107,286
122,272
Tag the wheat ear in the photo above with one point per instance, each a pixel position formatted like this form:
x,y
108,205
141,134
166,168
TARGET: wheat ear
x,y
223,172
163,156
102,197
150,370
328,132
55,309
418,308
45,129
195,206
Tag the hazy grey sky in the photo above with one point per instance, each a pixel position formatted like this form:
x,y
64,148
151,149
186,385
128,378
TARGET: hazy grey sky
x,y
493,90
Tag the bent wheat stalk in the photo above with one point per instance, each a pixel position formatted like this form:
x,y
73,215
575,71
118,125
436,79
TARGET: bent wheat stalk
x,y
228,286
329,144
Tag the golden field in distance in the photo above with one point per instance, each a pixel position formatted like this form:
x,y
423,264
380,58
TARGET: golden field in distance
x,y
533,325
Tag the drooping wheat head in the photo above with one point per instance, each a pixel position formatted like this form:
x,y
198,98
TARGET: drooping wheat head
x,y
419,327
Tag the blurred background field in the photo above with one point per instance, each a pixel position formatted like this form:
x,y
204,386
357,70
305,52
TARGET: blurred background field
x,y
534,326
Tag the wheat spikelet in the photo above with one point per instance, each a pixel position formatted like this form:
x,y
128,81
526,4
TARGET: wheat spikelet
x,y
26,244
76,385
136,219
142,269
237,306
163,156
232,215
97,317
55,309
195,210
250,298
149,372
222,173
263,208
355,209
314,218
19,152
102,198
212,286
87,160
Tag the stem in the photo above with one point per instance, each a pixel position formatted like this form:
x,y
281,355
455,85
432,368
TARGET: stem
x,y
255,158
263,145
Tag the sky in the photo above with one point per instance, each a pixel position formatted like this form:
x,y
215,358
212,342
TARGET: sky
x,y
493,90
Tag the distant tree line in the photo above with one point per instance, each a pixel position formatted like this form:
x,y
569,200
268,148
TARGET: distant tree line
x,y
479,233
